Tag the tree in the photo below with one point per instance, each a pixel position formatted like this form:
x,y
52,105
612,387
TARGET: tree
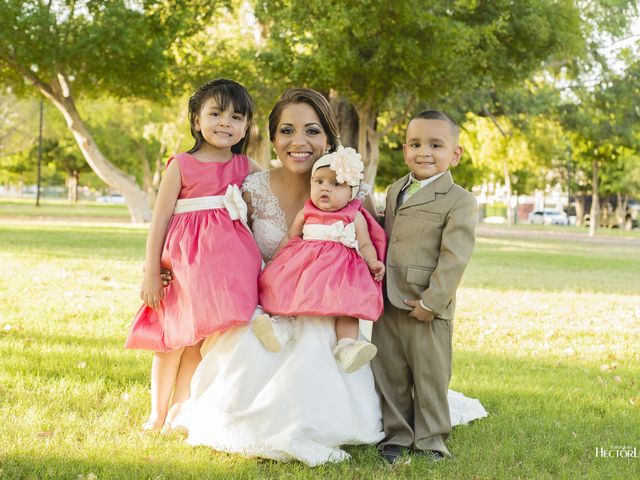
x,y
603,123
67,49
386,56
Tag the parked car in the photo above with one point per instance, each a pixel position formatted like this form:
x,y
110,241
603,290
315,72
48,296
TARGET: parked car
x,y
113,198
548,217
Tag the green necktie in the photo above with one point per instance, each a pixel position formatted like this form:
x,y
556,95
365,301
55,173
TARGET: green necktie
x,y
413,188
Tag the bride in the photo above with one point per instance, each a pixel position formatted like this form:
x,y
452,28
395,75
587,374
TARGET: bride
x,y
296,404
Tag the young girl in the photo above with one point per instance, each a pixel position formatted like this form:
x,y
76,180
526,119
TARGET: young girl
x,y
198,231
330,266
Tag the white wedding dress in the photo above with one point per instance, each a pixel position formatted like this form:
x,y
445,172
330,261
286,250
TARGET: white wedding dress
x,y
292,405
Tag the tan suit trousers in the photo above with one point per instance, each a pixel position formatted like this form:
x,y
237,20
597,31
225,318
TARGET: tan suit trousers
x,y
412,371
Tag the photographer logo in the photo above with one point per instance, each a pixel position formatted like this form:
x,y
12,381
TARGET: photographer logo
x,y
617,451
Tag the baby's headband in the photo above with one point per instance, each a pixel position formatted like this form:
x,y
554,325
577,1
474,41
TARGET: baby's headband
x,y
347,163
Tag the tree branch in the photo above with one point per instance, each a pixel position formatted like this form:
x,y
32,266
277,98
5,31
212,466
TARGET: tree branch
x,y
28,75
398,118
495,121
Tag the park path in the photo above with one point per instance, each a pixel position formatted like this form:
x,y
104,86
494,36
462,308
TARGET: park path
x,y
485,230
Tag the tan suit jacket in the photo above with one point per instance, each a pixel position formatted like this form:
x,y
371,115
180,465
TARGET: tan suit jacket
x,y
431,237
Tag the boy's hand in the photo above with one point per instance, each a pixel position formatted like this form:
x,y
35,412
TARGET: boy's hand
x,y
418,312
377,270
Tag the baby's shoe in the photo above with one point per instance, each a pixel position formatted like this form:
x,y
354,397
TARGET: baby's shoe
x,y
271,333
353,355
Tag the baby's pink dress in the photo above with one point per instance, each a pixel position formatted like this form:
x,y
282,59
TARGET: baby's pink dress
x,y
214,260
324,277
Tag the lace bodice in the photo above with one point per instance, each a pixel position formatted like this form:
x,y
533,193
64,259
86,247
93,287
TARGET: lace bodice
x,y
268,221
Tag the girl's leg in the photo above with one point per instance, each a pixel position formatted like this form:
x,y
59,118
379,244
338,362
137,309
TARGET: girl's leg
x,y
351,353
347,327
188,363
163,376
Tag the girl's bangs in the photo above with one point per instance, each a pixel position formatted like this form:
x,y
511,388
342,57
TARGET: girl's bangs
x,y
227,96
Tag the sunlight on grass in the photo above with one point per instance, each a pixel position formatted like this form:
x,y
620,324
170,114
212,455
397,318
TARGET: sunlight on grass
x,y
60,209
546,336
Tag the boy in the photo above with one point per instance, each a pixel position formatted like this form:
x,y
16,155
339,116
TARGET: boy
x,y
430,223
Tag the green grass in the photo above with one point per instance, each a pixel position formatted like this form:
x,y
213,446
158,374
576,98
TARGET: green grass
x,y
55,209
546,335
601,231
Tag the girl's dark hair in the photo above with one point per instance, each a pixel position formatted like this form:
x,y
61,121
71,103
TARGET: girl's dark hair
x,y
226,93
316,101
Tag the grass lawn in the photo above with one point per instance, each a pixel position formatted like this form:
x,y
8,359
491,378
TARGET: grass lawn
x,y
601,231
546,336
57,209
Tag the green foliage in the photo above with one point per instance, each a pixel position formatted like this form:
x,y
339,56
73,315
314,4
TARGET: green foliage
x,y
603,123
104,47
372,51
120,127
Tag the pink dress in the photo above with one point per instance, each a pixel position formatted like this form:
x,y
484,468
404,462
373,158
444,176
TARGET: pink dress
x,y
214,260
324,277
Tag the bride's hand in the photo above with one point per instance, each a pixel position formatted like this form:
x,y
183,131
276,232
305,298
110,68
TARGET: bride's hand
x,y
165,276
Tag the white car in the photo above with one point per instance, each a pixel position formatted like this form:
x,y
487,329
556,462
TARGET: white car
x,y
113,198
548,217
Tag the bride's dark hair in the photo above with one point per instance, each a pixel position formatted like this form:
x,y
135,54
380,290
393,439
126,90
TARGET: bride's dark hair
x,y
316,101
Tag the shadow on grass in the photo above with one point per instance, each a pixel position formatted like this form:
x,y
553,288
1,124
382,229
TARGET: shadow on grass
x,y
56,467
546,419
55,357
68,242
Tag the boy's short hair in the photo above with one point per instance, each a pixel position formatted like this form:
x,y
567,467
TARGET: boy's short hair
x,y
438,115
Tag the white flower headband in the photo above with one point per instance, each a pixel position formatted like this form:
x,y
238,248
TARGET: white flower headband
x,y
347,163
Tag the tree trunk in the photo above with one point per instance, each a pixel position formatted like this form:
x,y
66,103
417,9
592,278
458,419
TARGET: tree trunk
x,y
368,143
374,157
507,186
157,169
593,215
261,145
135,198
72,187
347,119
147,176
621,209
579,199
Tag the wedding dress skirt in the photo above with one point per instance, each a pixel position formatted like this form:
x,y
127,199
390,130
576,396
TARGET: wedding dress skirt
x,y
293,405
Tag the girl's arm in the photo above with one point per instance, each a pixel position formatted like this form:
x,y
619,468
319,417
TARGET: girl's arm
x,y
367,250
295,230
152,291
254,166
